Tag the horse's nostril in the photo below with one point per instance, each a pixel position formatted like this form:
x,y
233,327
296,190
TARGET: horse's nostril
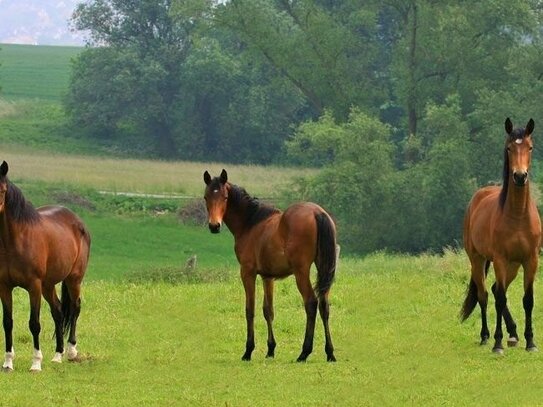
x,y
520,177
214,227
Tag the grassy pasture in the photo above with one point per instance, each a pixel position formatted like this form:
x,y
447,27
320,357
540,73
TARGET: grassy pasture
x,y
29,71
394,323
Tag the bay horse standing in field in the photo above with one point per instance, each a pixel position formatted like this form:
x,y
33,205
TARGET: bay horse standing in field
x,y
275,244
38,249
502,226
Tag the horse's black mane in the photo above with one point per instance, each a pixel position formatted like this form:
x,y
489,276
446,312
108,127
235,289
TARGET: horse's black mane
x,y
256,211
515,135
18,208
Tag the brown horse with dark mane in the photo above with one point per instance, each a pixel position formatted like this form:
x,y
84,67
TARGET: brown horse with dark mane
x,y
275,244
502,226
38,249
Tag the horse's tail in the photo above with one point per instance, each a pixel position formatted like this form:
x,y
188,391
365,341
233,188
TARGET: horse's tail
x,y
326,254
471,297
69,313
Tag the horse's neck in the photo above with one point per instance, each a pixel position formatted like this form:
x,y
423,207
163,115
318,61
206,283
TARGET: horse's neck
x,y
235,219
6,228
517,202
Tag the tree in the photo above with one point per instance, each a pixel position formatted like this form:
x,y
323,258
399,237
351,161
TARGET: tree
x,y
326,51
137,68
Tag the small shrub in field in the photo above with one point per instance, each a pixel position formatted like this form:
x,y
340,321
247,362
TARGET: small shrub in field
x,y
179,275
193,213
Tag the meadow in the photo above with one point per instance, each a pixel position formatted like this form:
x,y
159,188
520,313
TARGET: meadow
x,y
153,332
394,322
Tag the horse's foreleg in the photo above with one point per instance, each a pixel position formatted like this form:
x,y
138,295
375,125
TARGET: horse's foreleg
x,y
267,308
7,320
528,302
509,324
249,285
310,303
34,292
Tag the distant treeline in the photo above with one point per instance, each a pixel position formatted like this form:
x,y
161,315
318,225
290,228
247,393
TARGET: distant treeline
x,y
400,102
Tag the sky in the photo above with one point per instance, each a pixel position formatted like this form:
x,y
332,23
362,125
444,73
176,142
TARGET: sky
x,y
38,22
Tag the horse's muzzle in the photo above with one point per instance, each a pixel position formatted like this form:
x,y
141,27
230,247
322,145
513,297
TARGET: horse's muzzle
x,y
520,178
214,227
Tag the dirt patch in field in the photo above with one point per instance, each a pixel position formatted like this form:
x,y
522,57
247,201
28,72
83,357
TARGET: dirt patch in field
x,y
72,199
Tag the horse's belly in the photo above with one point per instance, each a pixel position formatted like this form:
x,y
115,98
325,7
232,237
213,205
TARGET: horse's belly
x,y
273,263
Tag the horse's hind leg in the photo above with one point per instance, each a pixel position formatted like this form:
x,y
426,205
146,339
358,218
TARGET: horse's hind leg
x,y
50,295
528,301
71,292
310,303
268,314
324,310
479,268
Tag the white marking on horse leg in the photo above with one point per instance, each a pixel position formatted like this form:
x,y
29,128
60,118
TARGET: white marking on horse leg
x,y
72,351
57,358
36,361
8,360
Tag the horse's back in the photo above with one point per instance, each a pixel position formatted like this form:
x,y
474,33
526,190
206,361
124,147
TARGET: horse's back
x,y
67,240
478,220
298,228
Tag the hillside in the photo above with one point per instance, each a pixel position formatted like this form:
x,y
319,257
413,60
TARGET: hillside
x,y
29,71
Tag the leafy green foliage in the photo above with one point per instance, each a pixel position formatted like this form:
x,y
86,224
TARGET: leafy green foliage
x,y
377,205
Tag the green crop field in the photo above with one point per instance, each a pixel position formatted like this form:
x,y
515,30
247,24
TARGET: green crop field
x,y
28,71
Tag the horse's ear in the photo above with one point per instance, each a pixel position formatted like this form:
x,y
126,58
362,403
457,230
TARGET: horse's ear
x,y
508,126
530,127
207,178
224,176
4,169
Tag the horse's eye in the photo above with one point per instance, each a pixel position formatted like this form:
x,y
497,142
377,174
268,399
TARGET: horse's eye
x,y
531,148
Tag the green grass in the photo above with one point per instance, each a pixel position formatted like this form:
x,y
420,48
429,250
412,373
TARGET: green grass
x,y
394,323
41,72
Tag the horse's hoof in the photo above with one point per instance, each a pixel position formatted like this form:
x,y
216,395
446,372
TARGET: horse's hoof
x,y
57,358
497,351
35,370
532,349
484,341
270,356
246,358
512,342
7,369
331,358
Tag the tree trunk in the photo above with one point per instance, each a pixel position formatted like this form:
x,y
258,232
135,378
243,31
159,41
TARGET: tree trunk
x,y
412,66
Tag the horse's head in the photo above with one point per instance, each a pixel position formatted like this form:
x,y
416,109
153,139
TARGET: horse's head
x,y
3,185
216,197
518,147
